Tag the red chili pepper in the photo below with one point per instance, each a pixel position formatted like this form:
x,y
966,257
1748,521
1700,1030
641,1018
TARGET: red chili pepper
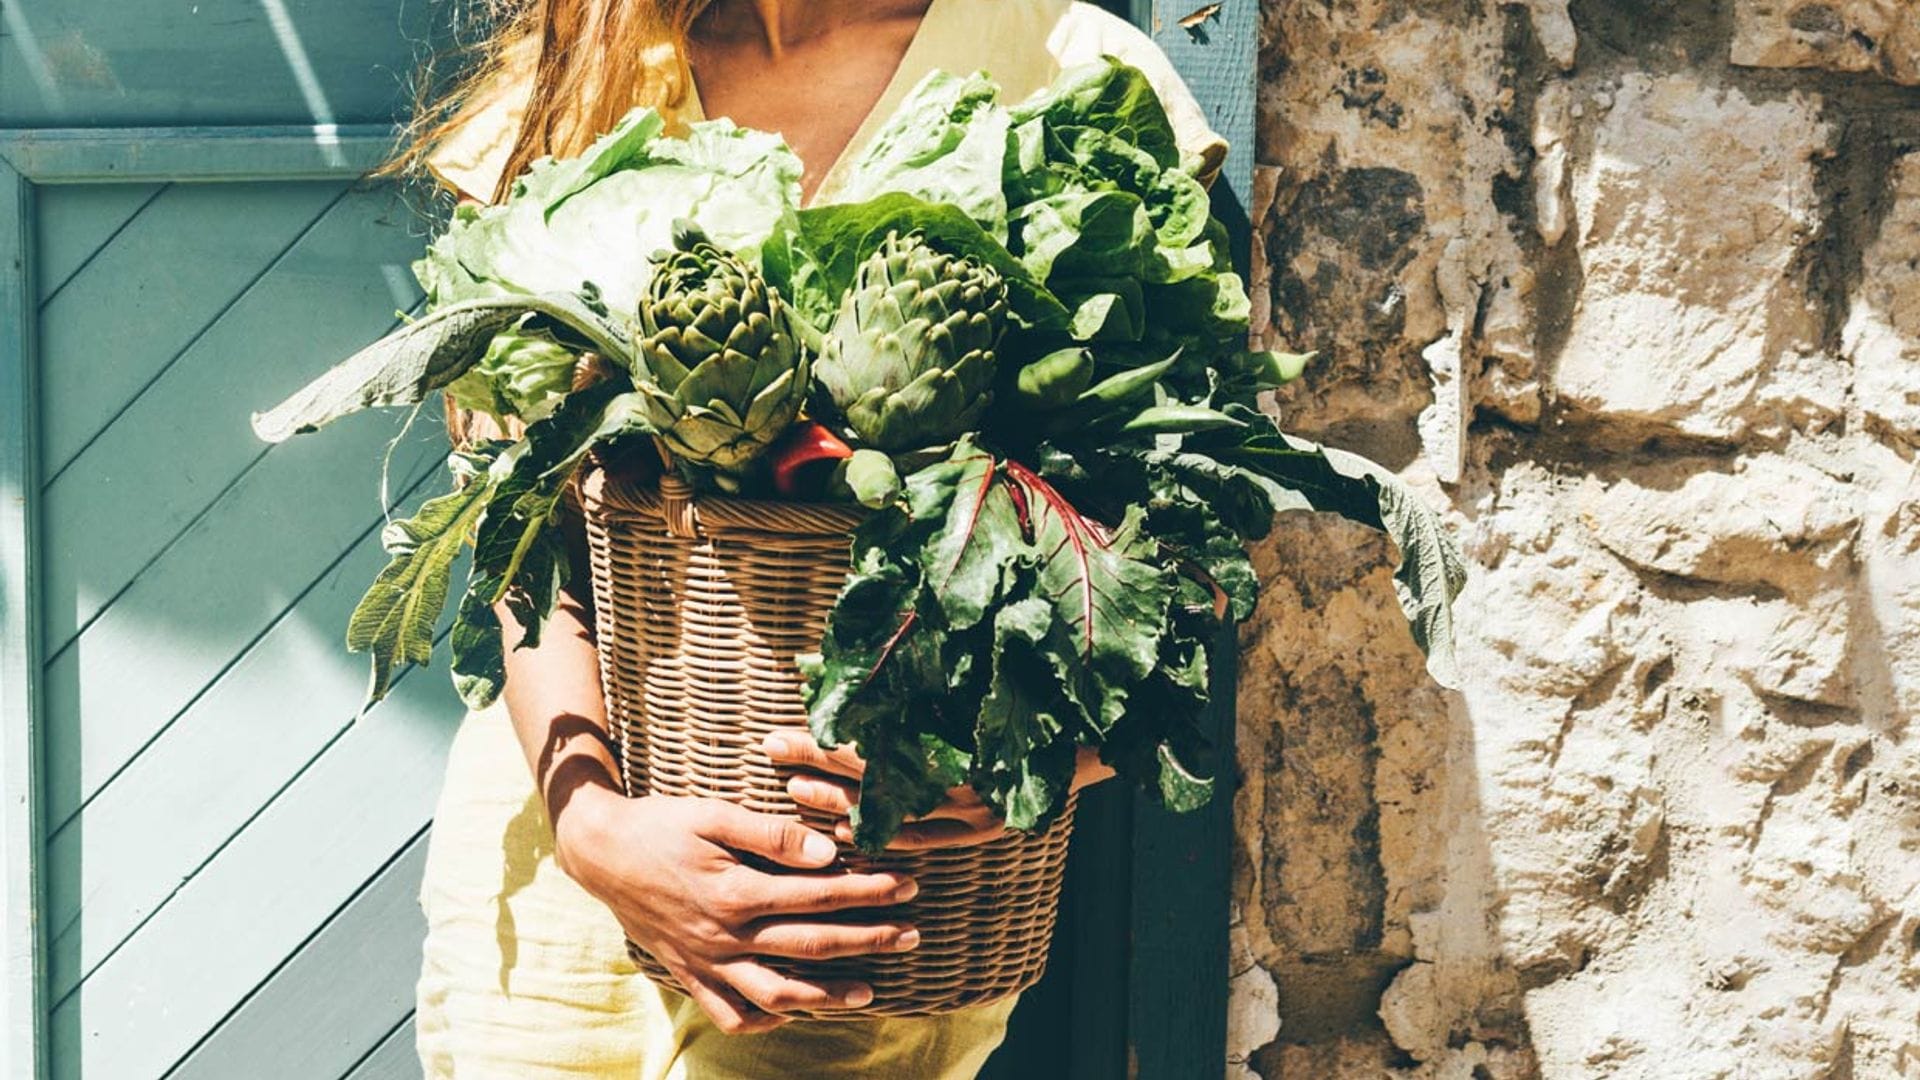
x,y
808,443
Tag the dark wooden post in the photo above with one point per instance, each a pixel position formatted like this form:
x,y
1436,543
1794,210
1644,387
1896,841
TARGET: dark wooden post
x,y
1182,864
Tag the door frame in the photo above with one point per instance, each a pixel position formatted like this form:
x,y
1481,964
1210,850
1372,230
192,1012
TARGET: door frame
x,y
31,159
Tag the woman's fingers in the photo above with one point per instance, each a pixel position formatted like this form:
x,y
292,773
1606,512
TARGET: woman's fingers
x,y
838,797
777,993
960,822
732,1013
796,746
824,793
760,896
827,941
781,839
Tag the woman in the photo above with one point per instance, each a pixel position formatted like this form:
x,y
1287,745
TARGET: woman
x,y
535,874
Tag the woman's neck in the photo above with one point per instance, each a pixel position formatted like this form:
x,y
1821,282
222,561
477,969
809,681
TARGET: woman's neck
x,y
778,24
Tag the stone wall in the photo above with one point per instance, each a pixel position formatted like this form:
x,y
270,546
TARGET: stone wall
x,y
1632,289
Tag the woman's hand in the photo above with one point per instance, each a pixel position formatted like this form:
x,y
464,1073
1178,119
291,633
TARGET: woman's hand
x,y
681,876
833,785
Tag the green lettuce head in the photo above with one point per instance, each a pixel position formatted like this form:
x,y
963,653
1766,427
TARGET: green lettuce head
x,y
599,217
524,373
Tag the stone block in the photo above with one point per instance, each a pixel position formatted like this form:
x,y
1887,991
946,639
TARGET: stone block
x,y
1880,36
1882,335
1696,208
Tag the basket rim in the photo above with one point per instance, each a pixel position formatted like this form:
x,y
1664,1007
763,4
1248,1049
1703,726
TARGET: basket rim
x,y
610,493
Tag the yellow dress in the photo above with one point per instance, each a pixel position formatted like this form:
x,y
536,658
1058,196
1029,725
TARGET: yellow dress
x,y
524,975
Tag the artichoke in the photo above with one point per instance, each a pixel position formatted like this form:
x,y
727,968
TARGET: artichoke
x,y
909,361
719,365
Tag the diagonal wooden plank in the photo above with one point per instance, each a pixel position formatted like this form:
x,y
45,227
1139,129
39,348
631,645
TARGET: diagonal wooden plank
x,y
185,440
250,908
75,222
194,787
336,1000
163,281
198,607
394,1059
102,62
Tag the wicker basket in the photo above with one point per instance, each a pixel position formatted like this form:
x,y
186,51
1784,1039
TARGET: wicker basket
x,y
702,606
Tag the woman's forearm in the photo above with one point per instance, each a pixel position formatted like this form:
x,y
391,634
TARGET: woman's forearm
x,y
553,690
554,697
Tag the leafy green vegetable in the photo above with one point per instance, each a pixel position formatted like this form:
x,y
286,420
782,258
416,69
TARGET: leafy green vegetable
x,y
1106,215
518,555
946,143
395,620
1431,571
421,357
524,373
600,217
1214,485
987,595
506,501
1104,96
1063,481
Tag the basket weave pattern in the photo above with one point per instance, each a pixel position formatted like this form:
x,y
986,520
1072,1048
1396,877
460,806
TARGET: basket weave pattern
x,y
701,607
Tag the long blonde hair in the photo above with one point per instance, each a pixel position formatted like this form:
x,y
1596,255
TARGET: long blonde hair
x,y
581,65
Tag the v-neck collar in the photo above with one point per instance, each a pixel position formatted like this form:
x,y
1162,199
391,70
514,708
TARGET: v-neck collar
x,y
906,75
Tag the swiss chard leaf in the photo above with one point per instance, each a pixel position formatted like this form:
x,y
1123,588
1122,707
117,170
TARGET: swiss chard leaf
x,y
879,665
1431,571
1025,734
985,594
1103,582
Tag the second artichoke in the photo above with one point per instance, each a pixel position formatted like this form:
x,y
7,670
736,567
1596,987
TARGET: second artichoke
x,y
909,362
721,369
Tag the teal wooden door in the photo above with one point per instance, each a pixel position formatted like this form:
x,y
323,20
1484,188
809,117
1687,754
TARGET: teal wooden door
x,y
227,862
210,868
